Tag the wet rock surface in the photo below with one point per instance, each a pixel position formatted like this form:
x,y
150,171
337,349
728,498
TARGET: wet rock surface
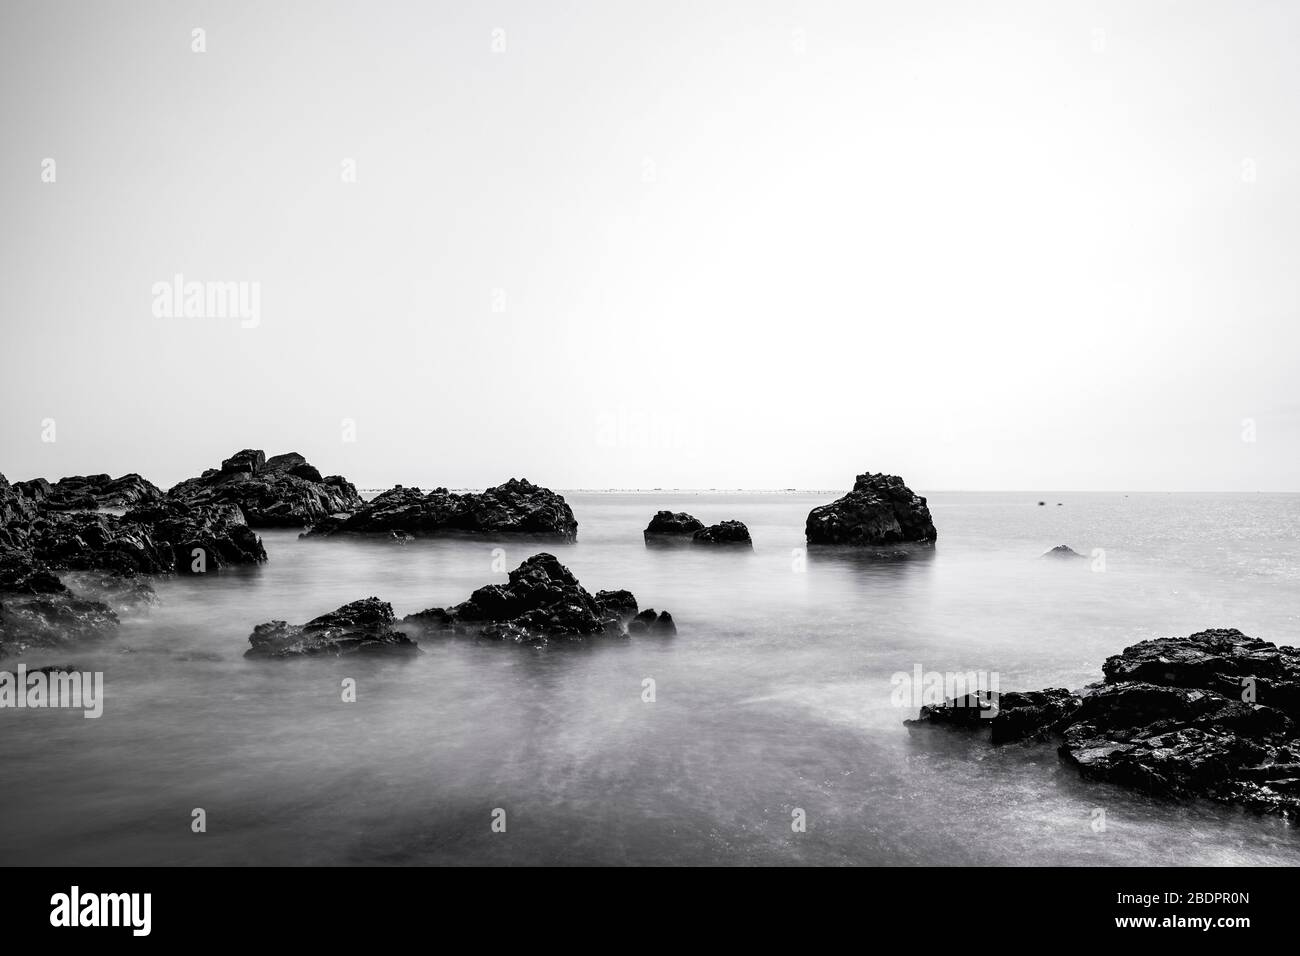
x,y
517,507
879,510
1211,715
541,603
92,492
285,491
362,627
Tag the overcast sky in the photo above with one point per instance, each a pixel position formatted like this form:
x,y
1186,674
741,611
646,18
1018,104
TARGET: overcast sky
x,y
614,244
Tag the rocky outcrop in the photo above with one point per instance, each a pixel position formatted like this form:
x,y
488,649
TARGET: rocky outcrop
x,y
732,533
1213,715
648,622
362,627
671,528
91,492
541,603
199,538
281,492
517,507
879,510
1061,551
52,620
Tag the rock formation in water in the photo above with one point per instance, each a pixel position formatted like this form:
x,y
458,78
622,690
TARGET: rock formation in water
x,y
281,492
1212,715
879,510
517,507
42,543
362,627
724,533
671,528
542,602
1061,551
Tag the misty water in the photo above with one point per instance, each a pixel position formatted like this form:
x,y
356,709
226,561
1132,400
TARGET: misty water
x,y
774,695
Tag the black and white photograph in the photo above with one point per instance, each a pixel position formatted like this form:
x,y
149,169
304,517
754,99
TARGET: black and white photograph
x,y
570,434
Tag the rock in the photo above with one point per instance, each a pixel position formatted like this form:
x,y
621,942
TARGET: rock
x,y
1041,503
619,604
879,510
517,507
52,620
1214,715
648,622
92,492
1061,551
199,538
21,573
281,492
541,603
733,533
362,627
974,711
671,528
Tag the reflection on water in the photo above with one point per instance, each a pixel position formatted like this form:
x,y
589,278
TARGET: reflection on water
x,y
774,695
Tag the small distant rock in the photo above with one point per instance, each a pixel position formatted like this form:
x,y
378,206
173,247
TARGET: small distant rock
x,y
671,528
1061,551
733,533
648,622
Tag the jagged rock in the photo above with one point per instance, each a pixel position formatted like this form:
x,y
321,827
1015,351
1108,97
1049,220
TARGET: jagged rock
x,y
362,627
879,510
620,604
199,538
91,492
1061,551
517,507
20,573
1214,715
671,528
973,711
542,602
281,492
732,533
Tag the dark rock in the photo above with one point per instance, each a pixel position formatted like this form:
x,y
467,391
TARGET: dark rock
x,y
879,510
732,533
91,492
52,620
648,622
671,528
1061,551
1035,715
517,507
21,573
362,627
1212,715
199,538
542,602
620,604
280,492
973,711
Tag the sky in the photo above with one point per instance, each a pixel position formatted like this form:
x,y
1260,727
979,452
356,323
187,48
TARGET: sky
x,y
995,245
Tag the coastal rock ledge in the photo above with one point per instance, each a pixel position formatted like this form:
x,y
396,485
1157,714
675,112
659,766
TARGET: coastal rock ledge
x,y
879,510
1212,715
517,507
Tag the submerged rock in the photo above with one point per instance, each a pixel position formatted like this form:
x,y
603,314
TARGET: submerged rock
x,y
724,533
648,622
52,620
362,627
1213,715
879,510
517,507
671,528
285,491
542,602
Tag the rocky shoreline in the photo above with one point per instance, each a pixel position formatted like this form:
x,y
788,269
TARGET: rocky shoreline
x,y
1214,715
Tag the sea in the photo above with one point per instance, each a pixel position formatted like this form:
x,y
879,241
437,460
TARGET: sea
x,y
768,731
